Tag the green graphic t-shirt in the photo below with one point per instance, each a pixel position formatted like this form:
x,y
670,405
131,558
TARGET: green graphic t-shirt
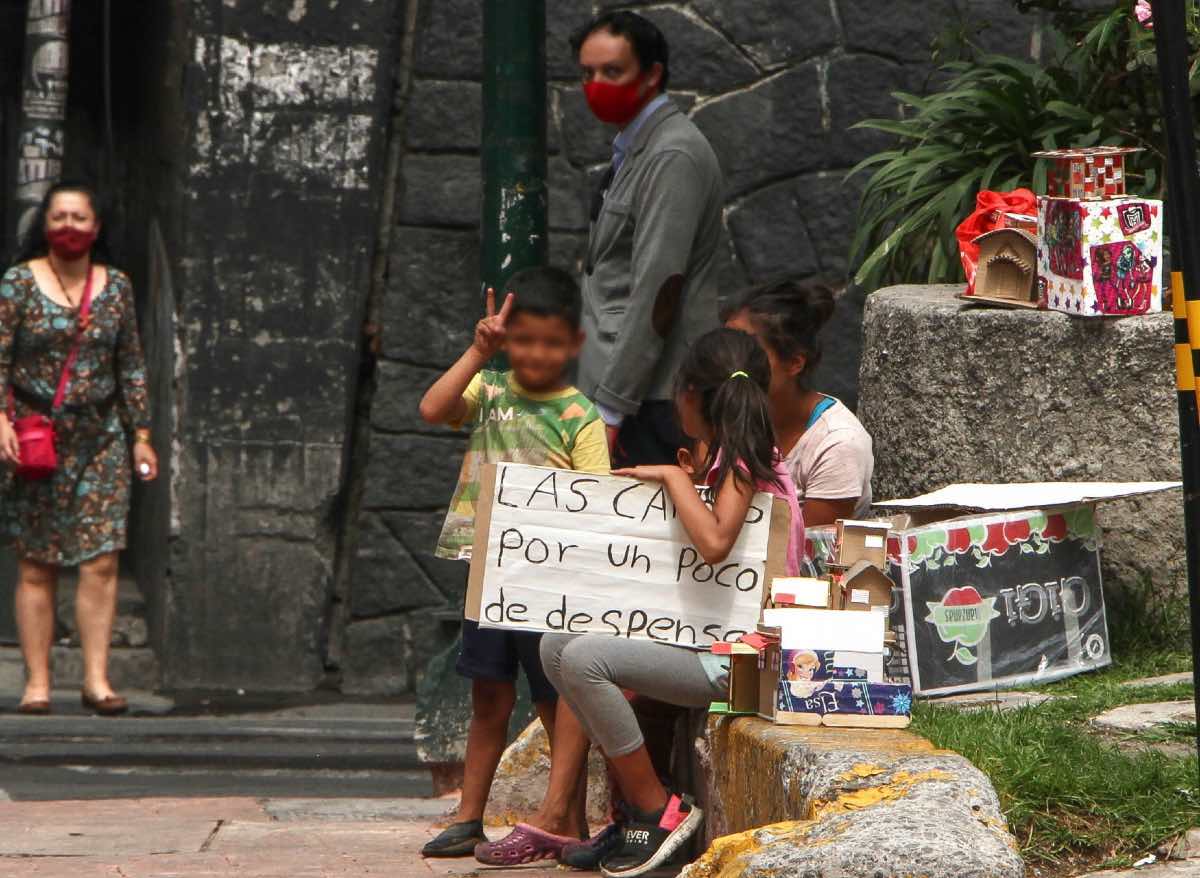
x,y
561,429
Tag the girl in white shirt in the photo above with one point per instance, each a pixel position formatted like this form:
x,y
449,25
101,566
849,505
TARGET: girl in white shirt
x,y
828,452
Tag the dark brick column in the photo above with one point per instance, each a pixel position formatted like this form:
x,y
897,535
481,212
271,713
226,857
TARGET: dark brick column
x,y
286,107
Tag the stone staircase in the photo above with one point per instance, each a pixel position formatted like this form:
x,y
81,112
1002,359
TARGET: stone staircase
x,y
132,664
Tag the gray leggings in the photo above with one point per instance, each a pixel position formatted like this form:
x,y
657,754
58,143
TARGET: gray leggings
x,y
590,670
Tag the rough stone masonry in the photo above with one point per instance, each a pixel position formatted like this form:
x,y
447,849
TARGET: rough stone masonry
x,y
285,106
331,179
775,90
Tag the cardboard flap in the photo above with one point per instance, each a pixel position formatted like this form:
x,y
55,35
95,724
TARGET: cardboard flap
x,y
976,497
828,629
483,524
803,590
777,544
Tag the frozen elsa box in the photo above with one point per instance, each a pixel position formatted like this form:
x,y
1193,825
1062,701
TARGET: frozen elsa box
x,y
816,667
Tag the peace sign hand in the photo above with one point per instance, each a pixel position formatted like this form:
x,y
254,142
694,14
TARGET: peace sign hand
x,y
490,332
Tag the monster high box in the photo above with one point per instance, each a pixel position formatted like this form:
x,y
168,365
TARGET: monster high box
x,y
1100,258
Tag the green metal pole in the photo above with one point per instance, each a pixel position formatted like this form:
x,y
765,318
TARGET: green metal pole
x,y
514,139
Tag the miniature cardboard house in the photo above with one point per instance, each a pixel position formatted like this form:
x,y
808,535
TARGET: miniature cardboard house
x,y
1100,258
1007,270
747,676
865,587
861,541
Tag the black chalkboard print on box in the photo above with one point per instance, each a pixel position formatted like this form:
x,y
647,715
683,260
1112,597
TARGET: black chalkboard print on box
x,y
1003,599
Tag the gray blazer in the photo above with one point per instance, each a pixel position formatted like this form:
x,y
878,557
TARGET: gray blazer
x,y
650,276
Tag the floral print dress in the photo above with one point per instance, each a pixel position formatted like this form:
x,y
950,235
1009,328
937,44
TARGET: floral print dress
x,y
80,512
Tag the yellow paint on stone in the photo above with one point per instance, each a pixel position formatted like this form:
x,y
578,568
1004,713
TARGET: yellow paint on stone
x,y
900,785
725,857
861,770
751,770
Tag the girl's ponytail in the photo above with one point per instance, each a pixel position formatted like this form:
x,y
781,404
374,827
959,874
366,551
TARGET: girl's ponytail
x,y
730,373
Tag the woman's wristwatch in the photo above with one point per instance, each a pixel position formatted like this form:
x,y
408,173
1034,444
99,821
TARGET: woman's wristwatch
x,y
141,436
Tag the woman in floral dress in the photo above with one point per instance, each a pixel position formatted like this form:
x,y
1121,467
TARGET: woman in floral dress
x,y
77,516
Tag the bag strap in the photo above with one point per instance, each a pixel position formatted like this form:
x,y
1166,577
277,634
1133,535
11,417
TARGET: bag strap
x,y
819,409
85,307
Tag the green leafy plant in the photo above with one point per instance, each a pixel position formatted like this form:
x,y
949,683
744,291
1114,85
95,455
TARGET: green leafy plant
x,y
979,131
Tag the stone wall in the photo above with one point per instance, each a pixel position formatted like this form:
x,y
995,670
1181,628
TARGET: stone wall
x,y
775,89
285,104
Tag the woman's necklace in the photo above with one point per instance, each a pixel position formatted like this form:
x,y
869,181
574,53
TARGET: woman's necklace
x,y
66,294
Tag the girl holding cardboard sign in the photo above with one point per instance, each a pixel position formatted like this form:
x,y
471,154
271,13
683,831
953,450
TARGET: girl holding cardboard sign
x,y
721,399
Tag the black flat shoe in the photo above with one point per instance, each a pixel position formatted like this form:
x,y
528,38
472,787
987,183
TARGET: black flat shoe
x,y
457,840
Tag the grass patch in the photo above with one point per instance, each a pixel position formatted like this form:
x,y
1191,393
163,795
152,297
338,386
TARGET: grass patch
x,y
1073,798
1171,733
1066,792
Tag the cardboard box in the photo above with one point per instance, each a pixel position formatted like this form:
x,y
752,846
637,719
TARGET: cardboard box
x,y
1099,258
999,585
861,541
846,704
746,664
826,668
805,591
1087,173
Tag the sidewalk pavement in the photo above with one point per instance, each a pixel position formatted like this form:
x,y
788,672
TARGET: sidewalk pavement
x,y
216,838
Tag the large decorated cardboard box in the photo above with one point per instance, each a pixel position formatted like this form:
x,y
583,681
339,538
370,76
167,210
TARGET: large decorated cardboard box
x,y
1100,257
997,585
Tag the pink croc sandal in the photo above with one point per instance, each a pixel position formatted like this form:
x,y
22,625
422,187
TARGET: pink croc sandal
x,y
525,844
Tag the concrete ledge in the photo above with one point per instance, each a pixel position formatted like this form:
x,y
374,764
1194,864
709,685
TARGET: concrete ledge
x,y
845,803
955,393
523,774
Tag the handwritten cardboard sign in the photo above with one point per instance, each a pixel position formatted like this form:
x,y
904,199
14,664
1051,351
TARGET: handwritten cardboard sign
x,y
570,552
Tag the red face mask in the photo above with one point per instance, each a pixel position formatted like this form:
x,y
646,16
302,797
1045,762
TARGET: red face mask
x,y
614,104
68,242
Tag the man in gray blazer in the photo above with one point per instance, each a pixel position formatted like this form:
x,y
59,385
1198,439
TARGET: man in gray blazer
x,y
650,276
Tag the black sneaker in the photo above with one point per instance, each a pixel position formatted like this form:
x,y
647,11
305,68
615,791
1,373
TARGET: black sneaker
x,y
650,840
458,840
588,854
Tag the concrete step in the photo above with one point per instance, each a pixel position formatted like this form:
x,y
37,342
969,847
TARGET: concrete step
x,y
128,668
219,747
229,754
384,743
26,783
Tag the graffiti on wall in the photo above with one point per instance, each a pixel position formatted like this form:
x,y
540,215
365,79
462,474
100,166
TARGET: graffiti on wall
x,y
42,136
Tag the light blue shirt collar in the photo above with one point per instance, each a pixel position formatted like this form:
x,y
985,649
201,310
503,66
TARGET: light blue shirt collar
x,y
623,142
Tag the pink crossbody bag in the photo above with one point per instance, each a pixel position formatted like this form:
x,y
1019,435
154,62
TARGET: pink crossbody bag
x,y
35,433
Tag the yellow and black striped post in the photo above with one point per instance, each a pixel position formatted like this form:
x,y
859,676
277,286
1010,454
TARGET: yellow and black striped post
x,y
1183,213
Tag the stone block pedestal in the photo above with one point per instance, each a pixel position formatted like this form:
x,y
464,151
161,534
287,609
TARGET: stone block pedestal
x,y
952,392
